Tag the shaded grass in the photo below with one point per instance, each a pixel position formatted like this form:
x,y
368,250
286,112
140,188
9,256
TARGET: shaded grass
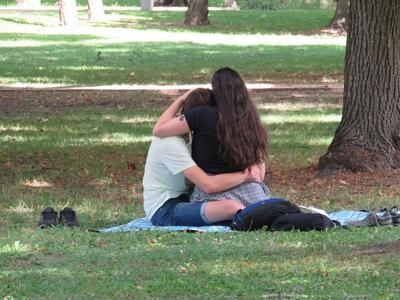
x,y
93,177
308,144
81,136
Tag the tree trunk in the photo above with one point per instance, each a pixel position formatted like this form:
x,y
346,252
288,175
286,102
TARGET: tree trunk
x,y
197,12
68,12
95,10
28,3
231,4
170,3
339,20
368,136
146,4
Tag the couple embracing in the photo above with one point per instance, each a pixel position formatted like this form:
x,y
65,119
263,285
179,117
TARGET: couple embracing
x,y
226,162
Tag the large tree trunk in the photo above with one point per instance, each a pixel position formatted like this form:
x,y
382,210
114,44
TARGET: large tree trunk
x,y
95,10
28,3
369,134
68,12
339,20
197,12
170,3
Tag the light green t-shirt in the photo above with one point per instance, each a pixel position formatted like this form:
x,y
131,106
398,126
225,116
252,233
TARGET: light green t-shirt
x,y
163,174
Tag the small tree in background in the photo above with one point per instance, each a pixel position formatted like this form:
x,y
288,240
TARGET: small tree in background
x,y
197,13
339,20
231,4
68,13
95,10
146,4
170,3
28,3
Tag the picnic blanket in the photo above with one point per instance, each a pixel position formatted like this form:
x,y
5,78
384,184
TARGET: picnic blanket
x,y
144,224
343,218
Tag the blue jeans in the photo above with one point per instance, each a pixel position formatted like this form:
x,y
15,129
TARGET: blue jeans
x,y
180,212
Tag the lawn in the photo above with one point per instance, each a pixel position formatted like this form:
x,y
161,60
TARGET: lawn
x,y
87,150
264,46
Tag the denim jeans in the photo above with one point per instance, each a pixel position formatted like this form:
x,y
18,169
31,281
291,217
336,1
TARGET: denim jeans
x,y
180,212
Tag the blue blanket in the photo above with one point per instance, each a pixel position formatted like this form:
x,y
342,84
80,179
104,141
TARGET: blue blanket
x,y
144,224
343,217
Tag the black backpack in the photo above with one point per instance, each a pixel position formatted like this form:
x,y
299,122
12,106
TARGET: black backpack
x,y
262,214
302,222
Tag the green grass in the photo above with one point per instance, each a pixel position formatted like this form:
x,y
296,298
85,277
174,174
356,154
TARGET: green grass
x,y
80,144
238,22
216,3
134,63
103,54
87,150
57,264
245,4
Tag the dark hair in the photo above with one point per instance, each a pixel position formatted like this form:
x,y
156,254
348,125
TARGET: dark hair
x,y
241,136
198,97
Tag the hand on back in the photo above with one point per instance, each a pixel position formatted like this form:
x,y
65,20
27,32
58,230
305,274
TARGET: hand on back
x,y
255,173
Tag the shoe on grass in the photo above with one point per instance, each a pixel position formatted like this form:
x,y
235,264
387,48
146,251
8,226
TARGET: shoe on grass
x,y
48,218
370,220
68,217
384,217
395,213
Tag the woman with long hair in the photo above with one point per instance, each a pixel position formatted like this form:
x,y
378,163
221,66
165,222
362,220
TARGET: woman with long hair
x,y
227,136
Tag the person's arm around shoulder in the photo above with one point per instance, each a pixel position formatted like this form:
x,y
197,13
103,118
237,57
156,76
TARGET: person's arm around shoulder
x,y
221,182
168,124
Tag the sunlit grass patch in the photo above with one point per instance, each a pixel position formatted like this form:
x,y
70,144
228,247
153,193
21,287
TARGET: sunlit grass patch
x,y
118,63
299,118
110,54
16,247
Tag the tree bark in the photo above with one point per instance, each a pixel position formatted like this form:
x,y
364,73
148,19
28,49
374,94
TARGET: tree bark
x,y
95,10
146,4
368,136
68,12
170,3
197,13
28,3
339,20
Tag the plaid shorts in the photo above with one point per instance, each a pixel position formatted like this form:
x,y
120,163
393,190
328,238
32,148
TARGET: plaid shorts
x,y
247,193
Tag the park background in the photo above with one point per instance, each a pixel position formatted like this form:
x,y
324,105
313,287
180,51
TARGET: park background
x,y
77,105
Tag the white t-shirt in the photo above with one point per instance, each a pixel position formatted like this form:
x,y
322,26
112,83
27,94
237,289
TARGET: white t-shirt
x,y
163,178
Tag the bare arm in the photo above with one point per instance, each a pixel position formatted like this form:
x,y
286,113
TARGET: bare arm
x,y
168,124
221,182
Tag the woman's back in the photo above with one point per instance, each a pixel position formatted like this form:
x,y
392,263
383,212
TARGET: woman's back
x,y
202,121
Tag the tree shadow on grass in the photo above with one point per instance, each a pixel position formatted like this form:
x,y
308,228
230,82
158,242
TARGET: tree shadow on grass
x,y
46,37
21,21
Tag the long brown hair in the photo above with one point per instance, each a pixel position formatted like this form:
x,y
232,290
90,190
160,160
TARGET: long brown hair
x,y
241,136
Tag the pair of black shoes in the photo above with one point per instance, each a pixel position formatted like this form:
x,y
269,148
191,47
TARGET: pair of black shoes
x,y
48,218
